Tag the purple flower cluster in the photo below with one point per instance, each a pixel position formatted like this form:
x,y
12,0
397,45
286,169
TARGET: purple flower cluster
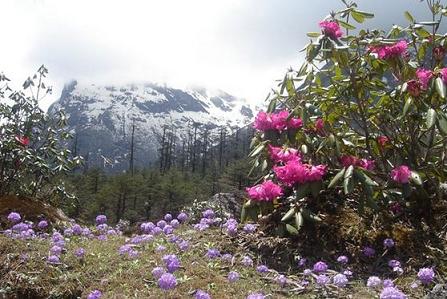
x,y
320,267
249,228
96,294
231,226
233,276
213,253
426,275
167,281
172,262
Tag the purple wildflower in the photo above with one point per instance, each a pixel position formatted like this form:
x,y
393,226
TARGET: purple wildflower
x,y
373,282
14,217
53,259
96,294
388,283
281,280
256,296
262,269
227,257
249,228
233,276
157,272
322,279
156,231
247,261
343,259
101,219
368,251
77,229
174,223
167,229
43,224
426,275
182,217
213,253
320,267
209,213
183,245
161,224
80,252
307,272
393,263
302,262
340,280
56,250
201,295
392,293
160,248
388,243
147,227
168,217
167,281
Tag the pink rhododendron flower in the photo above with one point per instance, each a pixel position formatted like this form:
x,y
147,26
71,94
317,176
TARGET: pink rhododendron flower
x,y
23,140
414,88
266,191
319,124
331,29
382,140
295,123
366,164
263,121
294,172
401,174
439,53
279,120
444,75
393,51
276,121
424,76
348,160
283,155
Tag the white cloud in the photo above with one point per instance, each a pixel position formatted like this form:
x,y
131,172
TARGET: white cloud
x,y
240,46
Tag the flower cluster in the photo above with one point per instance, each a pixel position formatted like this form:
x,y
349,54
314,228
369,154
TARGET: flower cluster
x,y
347,160
279,121
267,191
294,172
393,51
331,29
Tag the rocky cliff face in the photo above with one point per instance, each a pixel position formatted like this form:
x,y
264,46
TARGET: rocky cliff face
x,y
102,117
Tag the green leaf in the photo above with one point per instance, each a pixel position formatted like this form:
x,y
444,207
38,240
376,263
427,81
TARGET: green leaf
x,y
313,34
407,105
288,215
358,17
409,17
257,150
364,178
291,229
336,178
431,118
346,25
440,87
299,220
416,178
348,184
442,122
310,215
272,106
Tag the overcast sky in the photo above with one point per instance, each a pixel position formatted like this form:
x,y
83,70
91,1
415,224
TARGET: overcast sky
x,y
240,46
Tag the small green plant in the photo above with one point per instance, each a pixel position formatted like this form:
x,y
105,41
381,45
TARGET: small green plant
x,y
33,151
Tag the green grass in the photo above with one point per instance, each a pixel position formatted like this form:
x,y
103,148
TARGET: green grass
x,y
119,277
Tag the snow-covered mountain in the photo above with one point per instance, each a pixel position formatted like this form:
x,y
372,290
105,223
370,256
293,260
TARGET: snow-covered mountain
x,y
102,117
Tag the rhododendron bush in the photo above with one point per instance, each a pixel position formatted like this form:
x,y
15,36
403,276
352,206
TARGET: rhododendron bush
x,y
364,119
32,143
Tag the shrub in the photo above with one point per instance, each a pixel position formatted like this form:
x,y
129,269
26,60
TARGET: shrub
x,y
365,115
32,143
